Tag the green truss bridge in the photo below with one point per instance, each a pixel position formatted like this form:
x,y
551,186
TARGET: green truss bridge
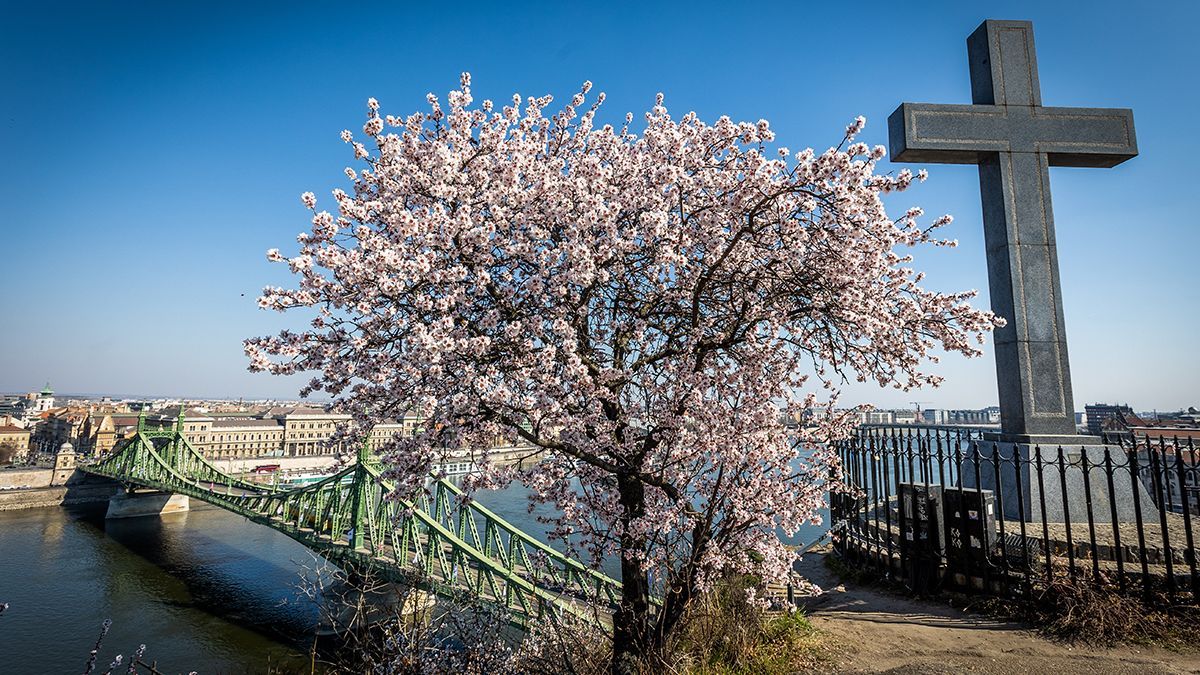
x,y
438,541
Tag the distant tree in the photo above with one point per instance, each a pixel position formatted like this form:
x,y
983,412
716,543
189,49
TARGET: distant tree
x,y
8,450
646,308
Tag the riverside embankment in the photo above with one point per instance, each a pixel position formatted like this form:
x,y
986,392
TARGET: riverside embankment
x,y
35,487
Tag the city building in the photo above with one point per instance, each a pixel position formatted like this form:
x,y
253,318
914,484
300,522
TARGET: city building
x,y
1190,416
102,430
988,416
45,400
878,417
14,443
1099,416
269,432
933,416
19,408
1170,451
57,426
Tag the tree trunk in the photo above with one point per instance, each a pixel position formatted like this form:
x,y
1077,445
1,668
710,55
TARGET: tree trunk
x,y
631,622
681,587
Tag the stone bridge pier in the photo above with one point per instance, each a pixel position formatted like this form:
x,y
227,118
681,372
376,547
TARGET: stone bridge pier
x,y
131,504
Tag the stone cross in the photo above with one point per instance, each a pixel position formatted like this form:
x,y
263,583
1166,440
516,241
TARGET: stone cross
x,y
1015,140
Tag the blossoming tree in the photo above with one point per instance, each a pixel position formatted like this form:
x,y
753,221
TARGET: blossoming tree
x,y
645,308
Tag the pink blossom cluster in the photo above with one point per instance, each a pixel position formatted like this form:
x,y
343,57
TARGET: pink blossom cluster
x,y
646,306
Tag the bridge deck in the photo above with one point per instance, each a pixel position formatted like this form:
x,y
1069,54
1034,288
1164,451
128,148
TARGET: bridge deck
x,y
438,541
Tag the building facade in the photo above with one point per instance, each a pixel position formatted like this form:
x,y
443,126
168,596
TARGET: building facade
x,y
1101,416
19,408
57,426
14,443
102,430
270,432
984,416
45,400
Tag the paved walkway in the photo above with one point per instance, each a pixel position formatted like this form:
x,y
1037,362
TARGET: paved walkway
x,y
880,632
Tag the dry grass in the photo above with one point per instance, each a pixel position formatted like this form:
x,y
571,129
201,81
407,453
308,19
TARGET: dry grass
x,y
727,633
1079,611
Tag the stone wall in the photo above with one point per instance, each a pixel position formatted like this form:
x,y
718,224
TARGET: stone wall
x,y
31,488
11,500
25,478
83,493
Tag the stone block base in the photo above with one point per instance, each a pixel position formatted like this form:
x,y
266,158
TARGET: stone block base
x,y
1017,484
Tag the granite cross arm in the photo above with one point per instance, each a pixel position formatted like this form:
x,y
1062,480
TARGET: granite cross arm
x,y
1014,140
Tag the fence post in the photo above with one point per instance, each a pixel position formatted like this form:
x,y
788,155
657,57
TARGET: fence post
x,y
1091,519
1190,553
986,575
1135,481
1062,480
1159,471
998,490
1026,563
1119,551
1037,453
896,485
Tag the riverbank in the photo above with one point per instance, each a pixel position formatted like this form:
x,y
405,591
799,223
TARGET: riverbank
x,y
62,495
874,631
31,488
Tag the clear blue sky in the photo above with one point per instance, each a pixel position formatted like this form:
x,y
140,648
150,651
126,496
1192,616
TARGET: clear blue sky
x,y
151,152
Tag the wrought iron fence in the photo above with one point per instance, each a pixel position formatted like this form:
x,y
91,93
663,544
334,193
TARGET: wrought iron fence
x,y
938,507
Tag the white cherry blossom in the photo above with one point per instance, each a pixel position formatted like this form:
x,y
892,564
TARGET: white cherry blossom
x,y
643,306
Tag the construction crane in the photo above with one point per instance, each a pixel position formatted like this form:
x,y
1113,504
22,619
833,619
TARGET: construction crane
x,y
917,405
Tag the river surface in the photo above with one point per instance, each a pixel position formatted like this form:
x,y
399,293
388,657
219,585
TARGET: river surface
x,y
204,590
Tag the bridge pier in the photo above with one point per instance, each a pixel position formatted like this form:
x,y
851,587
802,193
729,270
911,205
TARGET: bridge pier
x,y
134,505
356,609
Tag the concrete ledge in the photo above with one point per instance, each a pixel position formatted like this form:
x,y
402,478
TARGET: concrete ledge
x,y
1045,442
125,505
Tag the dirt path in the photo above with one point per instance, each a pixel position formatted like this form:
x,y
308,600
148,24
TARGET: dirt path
x,y
875,631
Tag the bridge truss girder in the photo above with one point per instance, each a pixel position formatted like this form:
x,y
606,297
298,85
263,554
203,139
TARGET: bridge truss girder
x,y
438,540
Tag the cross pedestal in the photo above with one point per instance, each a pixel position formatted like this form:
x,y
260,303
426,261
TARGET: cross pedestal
x,y
1025,497
1014,140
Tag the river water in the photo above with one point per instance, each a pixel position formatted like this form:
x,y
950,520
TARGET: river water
x,y
204,590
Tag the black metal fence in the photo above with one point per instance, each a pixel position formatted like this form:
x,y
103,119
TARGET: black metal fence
x,y
938,507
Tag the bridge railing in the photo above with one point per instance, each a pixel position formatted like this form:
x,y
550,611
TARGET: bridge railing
x,y
513,546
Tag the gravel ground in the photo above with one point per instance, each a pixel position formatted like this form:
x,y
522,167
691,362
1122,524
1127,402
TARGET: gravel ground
x,y
874,631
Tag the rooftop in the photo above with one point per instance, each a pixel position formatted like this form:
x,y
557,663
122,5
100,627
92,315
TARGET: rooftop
x,y
246,424
189,414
